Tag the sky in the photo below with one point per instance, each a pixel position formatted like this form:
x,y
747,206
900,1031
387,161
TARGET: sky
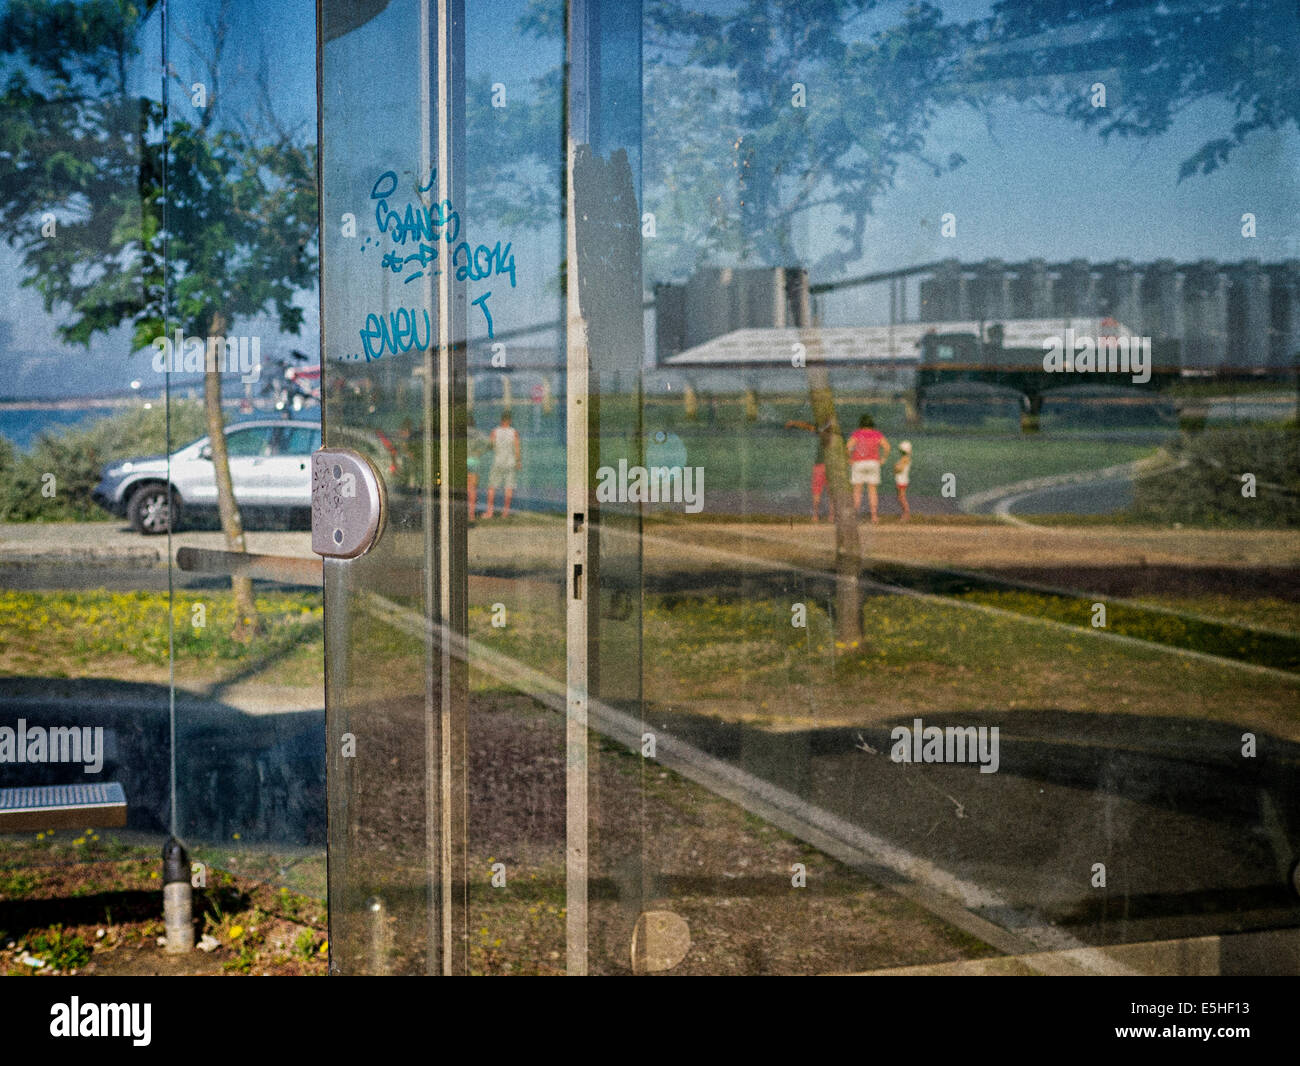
x,y
1032,186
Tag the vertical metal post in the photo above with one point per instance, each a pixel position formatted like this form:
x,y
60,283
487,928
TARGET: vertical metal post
x,y
605,353
453,546
581,544
442,52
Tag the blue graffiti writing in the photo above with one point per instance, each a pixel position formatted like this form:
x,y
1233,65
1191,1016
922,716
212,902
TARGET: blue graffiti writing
x,y
397,263
399,333
424,222
424,225
481,304
484,263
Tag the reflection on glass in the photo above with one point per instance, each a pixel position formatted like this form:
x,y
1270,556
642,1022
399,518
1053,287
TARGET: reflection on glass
x,y
876,423
1030,706
937,513
160,264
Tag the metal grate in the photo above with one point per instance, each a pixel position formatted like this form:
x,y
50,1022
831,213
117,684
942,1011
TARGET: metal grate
x,y
55,806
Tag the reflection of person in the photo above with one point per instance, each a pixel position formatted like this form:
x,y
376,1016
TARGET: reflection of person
x,y
507,457
867,448
819,466
476,446
902,475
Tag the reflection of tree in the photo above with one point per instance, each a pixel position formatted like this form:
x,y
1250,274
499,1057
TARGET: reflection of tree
x,y
1155,60
731,165
162,222
514,154
862,109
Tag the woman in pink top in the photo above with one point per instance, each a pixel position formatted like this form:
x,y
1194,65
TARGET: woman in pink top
x,y
867,449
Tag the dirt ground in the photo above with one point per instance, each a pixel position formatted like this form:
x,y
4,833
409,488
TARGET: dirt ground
x,y
755,900
66,910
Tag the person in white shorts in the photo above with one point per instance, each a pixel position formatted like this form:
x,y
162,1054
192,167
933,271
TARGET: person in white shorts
x,y
867,447
902,472
507,457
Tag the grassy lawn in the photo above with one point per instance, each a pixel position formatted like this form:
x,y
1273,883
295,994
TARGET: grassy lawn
x,y
704,647
1264,612
745,659
769,463
1194,634
124,634
742,659
1214,624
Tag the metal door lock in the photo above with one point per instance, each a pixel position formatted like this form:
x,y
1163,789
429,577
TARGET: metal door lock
x,y
348,505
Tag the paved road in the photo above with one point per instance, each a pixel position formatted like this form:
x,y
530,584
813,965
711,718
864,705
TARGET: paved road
x,y
112,555
1106,496
1105,491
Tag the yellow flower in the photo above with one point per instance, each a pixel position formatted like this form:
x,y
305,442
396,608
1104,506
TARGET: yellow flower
x,y
236,931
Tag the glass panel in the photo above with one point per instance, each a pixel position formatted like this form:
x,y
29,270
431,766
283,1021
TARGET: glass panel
x,y
84,650
903,535
241,283
516,540
394,362
176,221
1062,361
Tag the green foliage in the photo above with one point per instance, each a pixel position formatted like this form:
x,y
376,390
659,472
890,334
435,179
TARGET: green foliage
x,y
1241,52
77,455
1207,491
730,164
240,220
92,625
713,81
16,885
306,945
76,143
61,950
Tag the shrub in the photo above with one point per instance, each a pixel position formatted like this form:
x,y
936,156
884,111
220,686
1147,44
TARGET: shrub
x,y
1207,491
77,455
60,950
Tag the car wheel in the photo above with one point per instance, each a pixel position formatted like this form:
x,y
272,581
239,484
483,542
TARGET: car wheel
x,y
151,512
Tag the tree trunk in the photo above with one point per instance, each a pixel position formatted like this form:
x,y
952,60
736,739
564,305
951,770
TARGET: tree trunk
x,y
247,623
848,552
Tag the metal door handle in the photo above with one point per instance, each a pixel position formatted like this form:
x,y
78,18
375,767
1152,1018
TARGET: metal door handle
x,y
348,504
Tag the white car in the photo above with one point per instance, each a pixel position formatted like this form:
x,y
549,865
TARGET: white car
x,y
270,469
